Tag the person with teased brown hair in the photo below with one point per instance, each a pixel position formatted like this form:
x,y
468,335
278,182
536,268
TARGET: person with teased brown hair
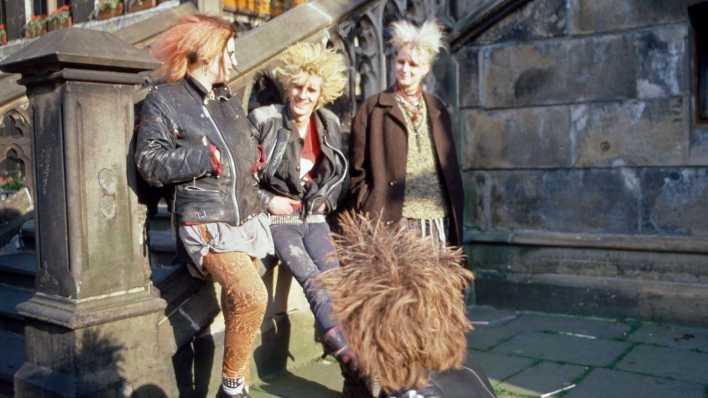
x,y
399,299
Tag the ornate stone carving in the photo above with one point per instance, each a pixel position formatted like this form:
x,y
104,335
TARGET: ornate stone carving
x,y
16,147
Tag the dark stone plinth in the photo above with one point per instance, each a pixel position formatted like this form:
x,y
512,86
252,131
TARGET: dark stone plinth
x,y
92,323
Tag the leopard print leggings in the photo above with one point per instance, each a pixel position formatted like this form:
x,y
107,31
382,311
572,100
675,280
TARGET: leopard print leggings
x,y
243,301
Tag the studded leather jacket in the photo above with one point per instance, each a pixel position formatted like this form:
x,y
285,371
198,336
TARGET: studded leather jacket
x,y
282,148
178,121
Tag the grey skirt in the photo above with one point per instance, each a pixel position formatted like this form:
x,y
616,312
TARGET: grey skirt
x,y
252,237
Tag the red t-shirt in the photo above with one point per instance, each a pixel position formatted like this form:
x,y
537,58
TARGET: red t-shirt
x,y
310,151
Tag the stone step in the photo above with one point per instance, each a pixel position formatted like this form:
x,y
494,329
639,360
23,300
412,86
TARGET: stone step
x,y
13,355
610,297
18,269
10,320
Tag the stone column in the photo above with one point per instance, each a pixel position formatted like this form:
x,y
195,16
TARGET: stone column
x,y
92,324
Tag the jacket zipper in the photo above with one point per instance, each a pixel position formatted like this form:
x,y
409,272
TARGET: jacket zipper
x,y
231,163
344,173
344,161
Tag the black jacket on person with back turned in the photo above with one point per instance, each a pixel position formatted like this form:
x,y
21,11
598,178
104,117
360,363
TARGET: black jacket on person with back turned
x,y
177,123
283,146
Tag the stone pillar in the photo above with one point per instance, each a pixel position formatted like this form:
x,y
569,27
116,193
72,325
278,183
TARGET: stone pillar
x,y
92,324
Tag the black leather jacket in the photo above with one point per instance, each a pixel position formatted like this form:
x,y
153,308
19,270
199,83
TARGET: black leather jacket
x,y
177,122
282,147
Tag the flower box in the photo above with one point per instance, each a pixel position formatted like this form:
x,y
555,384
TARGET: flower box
x,y
36,26
109,9
60,18
3,34
140,5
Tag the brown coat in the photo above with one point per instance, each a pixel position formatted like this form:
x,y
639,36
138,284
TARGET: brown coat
x,y
378,151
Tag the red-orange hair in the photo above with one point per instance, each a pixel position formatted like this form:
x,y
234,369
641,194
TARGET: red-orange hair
x,y
195,39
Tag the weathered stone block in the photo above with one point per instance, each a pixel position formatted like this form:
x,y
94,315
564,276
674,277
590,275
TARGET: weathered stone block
x,y
675,302
589,16
637,133
606,297
477,199
675,201
638,64
468,61
637,265
519,138
664,62
558,72
536,20
595,201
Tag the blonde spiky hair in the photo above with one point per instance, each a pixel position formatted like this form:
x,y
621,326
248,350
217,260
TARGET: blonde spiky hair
x,y
428,38
399,299
302,60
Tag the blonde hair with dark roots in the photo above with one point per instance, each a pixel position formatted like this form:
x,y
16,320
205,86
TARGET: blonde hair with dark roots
x,y
304,59
427,39
193,40
399,299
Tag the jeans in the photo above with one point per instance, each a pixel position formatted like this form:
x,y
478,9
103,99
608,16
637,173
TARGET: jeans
x,y
307,250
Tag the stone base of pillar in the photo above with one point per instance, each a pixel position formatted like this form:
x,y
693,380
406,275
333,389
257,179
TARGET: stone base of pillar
x,y
110,359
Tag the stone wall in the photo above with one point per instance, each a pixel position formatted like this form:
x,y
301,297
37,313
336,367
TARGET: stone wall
x,y
580,133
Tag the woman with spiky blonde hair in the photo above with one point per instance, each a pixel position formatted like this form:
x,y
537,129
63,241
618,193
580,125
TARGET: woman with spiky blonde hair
x,y
303,175
403,160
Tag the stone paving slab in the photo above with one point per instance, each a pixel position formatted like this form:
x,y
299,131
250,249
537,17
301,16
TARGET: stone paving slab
x,y
543,378
485,337
666,362
595,327
321,379
564,348
605,383
499,366
673,336
485,316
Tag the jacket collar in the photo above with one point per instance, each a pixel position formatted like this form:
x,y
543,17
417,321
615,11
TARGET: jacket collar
x,y
197,87
387,99
288,121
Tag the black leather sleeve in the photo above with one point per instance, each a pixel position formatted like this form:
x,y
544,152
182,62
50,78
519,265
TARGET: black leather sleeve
x,y
159,159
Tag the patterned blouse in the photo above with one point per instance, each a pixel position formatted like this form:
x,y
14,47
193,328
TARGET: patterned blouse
x,y
424,195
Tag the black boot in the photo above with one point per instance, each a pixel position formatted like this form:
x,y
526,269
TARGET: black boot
x,y
355,385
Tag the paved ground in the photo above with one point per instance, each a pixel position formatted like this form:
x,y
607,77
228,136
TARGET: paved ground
x,y
534,355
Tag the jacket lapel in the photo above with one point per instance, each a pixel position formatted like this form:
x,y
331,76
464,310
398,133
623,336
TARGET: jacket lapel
x,y
388,101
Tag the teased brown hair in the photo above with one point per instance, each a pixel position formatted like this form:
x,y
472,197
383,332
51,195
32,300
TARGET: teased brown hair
x,y
399,299
194,39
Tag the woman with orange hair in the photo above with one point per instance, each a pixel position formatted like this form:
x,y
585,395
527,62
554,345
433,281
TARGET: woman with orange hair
x,y
194,138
